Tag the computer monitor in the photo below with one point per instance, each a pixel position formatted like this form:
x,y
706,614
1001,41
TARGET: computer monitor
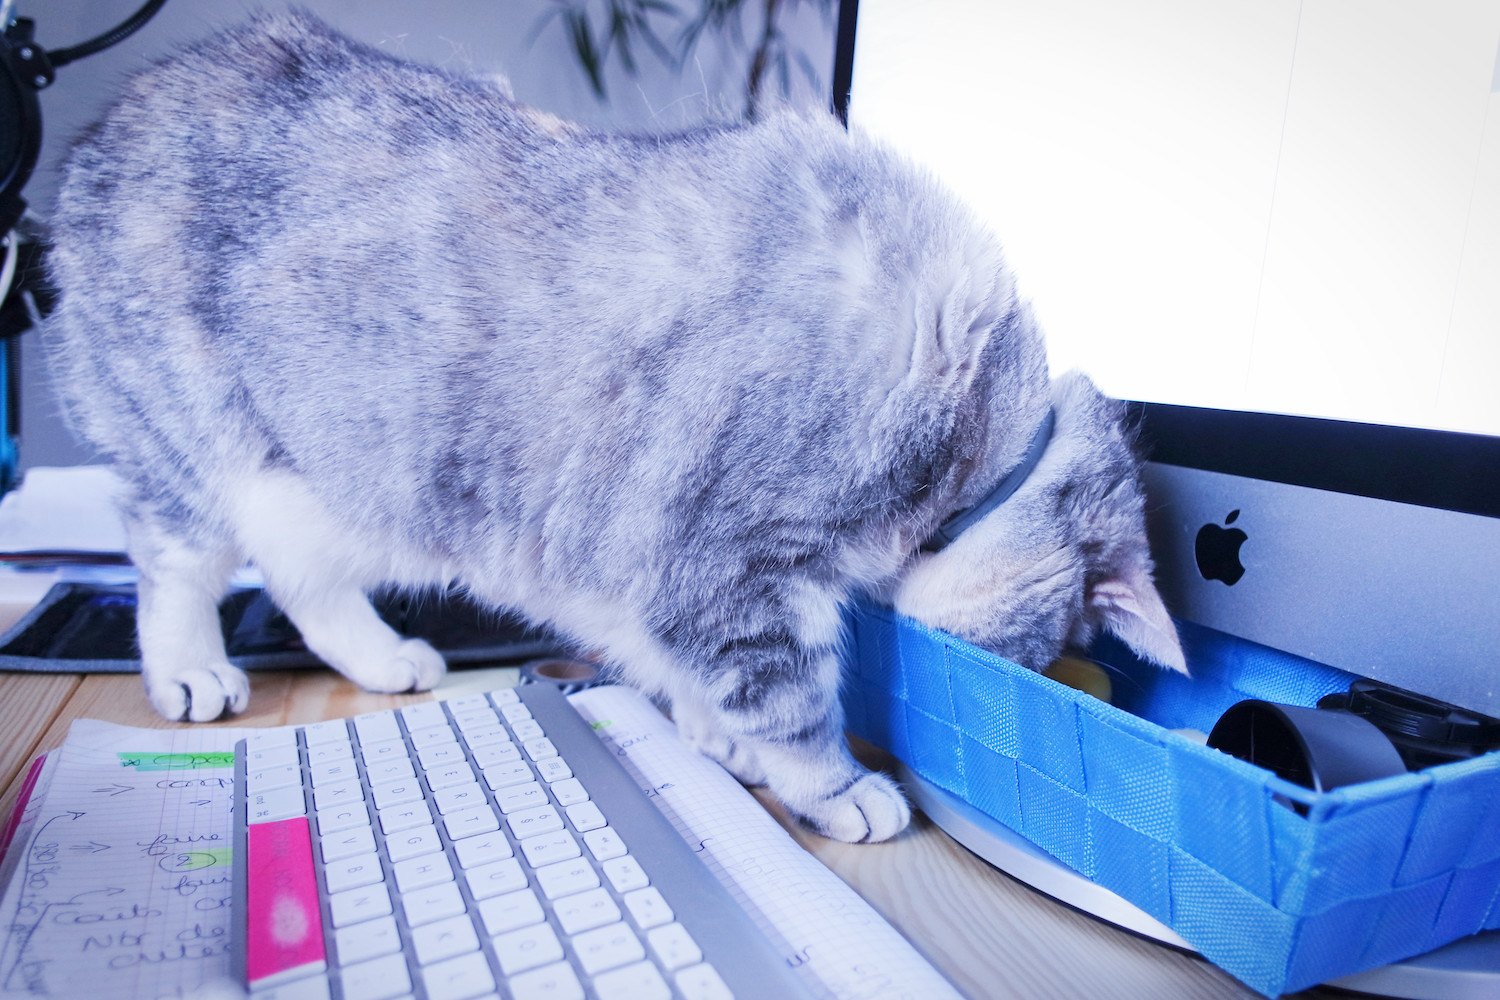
x,y
1275,224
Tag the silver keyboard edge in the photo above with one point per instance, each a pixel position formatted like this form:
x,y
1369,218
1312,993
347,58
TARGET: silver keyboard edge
x,y
733,944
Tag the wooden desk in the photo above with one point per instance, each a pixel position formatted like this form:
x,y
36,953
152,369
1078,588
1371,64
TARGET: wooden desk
x,y
990,935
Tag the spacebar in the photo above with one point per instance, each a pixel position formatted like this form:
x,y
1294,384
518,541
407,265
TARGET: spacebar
x,y
284,930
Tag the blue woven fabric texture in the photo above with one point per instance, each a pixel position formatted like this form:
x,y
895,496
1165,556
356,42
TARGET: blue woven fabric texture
x,y
1203,842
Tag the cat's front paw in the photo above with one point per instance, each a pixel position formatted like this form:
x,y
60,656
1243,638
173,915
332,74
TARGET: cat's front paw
x,y
412,666
699,732
872,809
197,694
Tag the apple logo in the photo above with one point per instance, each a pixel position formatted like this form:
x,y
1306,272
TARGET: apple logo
x,y
1218,551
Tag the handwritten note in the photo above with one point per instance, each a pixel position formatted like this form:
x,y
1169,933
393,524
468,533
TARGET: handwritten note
x,y
122,886
839,944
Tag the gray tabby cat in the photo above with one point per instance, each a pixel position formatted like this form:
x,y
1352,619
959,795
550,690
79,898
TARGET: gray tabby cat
x,y
681,398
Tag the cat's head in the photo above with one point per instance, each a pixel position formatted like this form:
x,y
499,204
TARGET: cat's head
x,y
1063,557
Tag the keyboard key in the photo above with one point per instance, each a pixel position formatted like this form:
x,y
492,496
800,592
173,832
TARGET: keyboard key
x,y
584,816
569,791
376,727
265,739
334,795
378,979
436,736
467,703
305,988
530,822
423,715
419,873
553,769
547,848
586,910
515,712
445,753
493,753
346,844
423,906
634,982
566,877
551,982
479,718
527,730
625,874
607,947
459,978
475,851
451,800
405,817
507,774
359,904
281,804
267,779
370,939
330,731
395,793
495,878
673,946
374,753
444,939
271,756
504,696
351,873
471,822
527,948
486,738
448,775
325,753
511,911
648,908
604,843
413,843
520,797
333,772
702,982
345,817
390,769
538,749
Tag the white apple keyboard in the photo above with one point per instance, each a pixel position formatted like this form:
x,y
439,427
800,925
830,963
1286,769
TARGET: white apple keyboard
x,y
481,847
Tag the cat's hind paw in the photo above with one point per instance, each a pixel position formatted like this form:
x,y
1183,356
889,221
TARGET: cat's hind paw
x,y
412,666
198,694
870,810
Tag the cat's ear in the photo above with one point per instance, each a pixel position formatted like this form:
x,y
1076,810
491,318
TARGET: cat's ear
x,y
962,310
1130,607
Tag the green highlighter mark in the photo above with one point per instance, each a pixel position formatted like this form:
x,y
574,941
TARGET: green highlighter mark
x,y
175,761
191,861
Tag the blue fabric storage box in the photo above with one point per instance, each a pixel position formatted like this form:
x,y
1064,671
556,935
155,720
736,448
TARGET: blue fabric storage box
x,y
1374,873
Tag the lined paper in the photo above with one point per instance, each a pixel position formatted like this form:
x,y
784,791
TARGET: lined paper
x,y
122,886
836,941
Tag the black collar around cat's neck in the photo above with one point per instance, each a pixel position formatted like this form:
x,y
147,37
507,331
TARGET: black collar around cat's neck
x,y
1002,491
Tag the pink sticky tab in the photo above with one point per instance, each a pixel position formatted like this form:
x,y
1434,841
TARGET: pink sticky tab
x,y
285,928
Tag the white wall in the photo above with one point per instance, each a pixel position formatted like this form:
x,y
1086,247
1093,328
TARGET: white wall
x,y
468,35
